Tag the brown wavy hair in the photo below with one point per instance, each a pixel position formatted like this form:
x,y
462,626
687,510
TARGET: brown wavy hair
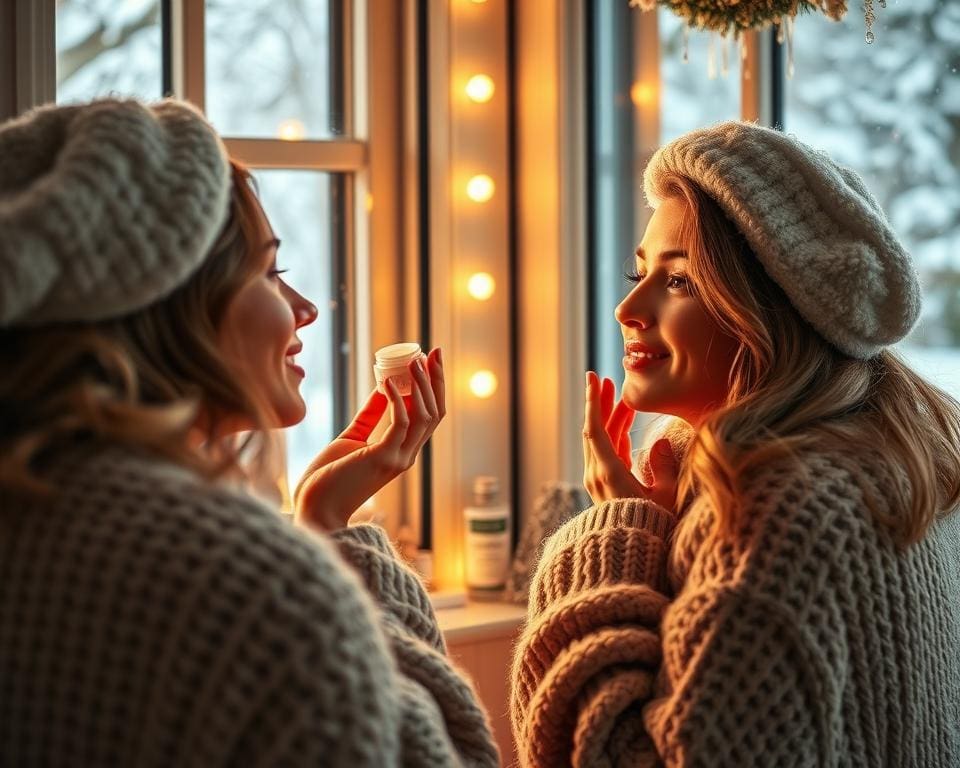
x,y
790,391
153,380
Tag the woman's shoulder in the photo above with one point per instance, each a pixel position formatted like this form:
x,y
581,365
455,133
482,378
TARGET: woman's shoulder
x,y
796,511
156,509
815,510
817,477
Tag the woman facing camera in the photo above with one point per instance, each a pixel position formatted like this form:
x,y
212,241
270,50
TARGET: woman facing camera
x,y
151,612
778,581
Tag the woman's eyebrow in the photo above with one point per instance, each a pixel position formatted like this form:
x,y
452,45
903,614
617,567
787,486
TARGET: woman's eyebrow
x,y
665,256
273,242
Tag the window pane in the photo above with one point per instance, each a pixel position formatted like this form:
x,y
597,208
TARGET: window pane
x,y
307,212
274,68
701,91
105,47
891,111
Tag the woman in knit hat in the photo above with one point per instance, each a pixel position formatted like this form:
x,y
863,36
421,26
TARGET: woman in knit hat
x,y
151,612
777,583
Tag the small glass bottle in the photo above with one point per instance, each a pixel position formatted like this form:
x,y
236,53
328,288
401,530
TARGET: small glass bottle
x,y
487,545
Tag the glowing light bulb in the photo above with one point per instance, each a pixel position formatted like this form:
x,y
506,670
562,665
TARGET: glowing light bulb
x,y
481,285
480,188
641,94
291,130
479,88
483,384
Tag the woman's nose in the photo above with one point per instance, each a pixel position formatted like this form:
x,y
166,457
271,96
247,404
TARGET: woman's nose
x,y
304,311
632,313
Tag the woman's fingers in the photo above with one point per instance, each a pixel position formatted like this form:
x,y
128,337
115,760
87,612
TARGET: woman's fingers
x,y
618,427
595,437
437,382
590,403
625,450
620,421
399,418
608,393
367,418
422,411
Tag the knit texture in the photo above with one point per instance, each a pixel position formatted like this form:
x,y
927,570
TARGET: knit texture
x,y
817,230
556,503
148,618
105,207
811,640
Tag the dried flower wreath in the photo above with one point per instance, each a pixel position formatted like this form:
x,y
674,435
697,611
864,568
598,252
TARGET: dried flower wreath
x,y
736,16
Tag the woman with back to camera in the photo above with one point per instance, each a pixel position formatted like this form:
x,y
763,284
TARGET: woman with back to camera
x,y
151,612
779,582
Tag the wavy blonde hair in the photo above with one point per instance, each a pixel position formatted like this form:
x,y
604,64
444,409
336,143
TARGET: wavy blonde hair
x,y
790,390
149,380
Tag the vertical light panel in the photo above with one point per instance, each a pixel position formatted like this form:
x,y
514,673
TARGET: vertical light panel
x,y
469,235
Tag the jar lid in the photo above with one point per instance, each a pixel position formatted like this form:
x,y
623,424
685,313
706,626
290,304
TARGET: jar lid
x,y
398,353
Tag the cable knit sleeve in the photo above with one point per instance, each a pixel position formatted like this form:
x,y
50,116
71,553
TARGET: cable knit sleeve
x,y
610,672
433,690
590,652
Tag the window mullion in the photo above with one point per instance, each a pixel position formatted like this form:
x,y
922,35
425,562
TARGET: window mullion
x,y
36,53
187,64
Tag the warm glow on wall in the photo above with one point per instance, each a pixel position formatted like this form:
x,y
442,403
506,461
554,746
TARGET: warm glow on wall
x,y
483,384
481,285
480,188
480,88
291,130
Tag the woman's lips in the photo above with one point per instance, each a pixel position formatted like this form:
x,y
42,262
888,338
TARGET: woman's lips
x,y
294,367
641,362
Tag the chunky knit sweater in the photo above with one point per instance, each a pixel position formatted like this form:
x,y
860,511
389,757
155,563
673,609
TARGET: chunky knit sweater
x,y
148,618
808,640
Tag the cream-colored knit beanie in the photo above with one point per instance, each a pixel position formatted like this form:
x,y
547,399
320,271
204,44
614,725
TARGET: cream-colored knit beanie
x,y
814,226
105,207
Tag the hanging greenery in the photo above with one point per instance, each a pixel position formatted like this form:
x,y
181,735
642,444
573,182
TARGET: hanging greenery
x,y
737,16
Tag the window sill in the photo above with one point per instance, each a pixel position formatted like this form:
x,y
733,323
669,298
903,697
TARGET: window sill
x,y
478,621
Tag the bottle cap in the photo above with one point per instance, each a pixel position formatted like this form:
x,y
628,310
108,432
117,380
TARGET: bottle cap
x,y
485,489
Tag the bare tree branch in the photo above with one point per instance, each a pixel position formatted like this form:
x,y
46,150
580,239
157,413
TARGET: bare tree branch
x,y
73,59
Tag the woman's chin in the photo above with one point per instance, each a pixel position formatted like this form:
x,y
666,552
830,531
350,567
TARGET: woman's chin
x,y
637,399
291,414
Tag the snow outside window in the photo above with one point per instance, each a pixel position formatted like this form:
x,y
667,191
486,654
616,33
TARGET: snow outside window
x,y
891,111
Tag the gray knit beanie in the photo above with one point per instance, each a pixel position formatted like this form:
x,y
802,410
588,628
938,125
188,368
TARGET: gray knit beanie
x,y
817,230
105,207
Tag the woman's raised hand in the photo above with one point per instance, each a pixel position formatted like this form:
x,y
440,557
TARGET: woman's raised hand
x,y
607,472
351,469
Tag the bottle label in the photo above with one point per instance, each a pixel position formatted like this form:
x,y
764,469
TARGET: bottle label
x,y
488,526
488,558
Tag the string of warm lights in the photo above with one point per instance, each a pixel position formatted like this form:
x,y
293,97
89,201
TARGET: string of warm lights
x,y
480,189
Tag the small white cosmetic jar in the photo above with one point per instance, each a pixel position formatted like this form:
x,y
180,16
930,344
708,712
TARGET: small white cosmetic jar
x,y
392,361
